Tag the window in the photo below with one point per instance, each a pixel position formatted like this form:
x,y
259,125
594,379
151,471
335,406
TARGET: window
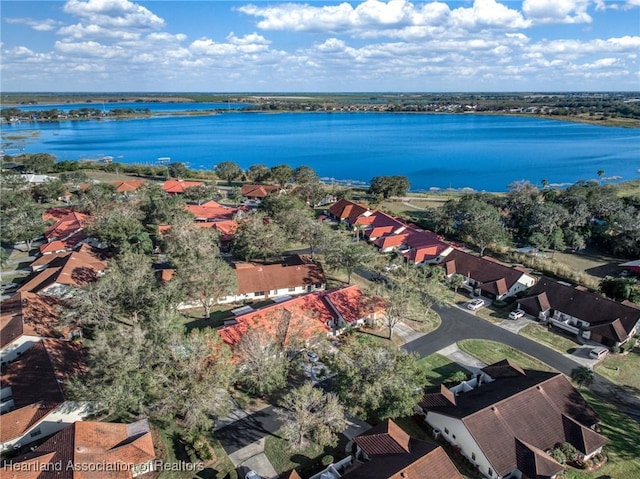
x,y
490,471
292,290
35,432
446,431
258,293
454,436
473,456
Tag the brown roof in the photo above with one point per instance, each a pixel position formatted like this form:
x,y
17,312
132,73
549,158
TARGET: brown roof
x,y
128,185
592,308
258,191
29,313
297,271
66,226
75,268
351,304
87,444
211,211
495,277
442,397
386,438
534,462
347,210
178,186
290,475
36,380
493,414
503,369
413,459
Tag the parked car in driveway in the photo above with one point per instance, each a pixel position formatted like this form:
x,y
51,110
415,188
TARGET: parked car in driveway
x,y
517,314
598,352
252,475
475,304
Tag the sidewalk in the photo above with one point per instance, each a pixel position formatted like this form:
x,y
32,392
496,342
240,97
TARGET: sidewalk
x,y
465,360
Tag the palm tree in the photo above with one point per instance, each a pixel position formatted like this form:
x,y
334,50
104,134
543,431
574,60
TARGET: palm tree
x,y
544,183
600,175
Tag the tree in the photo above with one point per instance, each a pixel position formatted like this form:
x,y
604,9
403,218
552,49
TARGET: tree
x,y
312,414
456,281
315,234
97,198
304,175
39,162
262,362
228,171
201,193
347,255
114,226
48,191
206,278
388,186
397,307
600,175
186,242
556,242
457,377
621,288
177,170
257,237
23,223
376,382
258,173
582,376
4,258
281,174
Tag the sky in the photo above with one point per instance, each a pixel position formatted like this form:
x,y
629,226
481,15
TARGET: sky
x,y
320,46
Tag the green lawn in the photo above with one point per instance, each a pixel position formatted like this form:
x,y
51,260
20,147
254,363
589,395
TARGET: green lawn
x,y
542,335
438,368
621,369
306,462
491,352
623,450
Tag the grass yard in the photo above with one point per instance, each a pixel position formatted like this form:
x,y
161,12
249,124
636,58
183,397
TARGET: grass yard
x,y
491,352
623,450
438,368
306,462
623,369
428,323
542,335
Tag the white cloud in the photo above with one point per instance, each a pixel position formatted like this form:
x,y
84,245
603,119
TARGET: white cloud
x,y
488,13
38,25
90,49
616,4
79,31
556,11
247,44
114,13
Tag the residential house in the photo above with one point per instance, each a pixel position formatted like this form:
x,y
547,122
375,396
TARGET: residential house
x,y
348,211
485,276
258,192
415,245
378,224
27,318
33,400
177,187
212,211
59,273
128,186
388,452
66,233
96,450
507,419
295,275
578,311
308,316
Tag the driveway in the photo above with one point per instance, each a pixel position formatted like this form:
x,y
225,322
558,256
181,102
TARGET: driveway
x,y
250,429
457,324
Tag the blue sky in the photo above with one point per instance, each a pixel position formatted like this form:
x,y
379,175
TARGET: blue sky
x,y
320,46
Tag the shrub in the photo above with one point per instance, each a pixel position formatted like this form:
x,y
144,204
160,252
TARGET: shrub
x,y
326,460
559,456
614,349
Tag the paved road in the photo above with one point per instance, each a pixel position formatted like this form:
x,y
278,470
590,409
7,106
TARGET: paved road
x,y
248,430
458,324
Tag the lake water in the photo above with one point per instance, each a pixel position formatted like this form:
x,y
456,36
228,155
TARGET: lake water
x,y
432,150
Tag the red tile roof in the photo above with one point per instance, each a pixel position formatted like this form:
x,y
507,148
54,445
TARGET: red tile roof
x,y
31,314
75,268
211,211
90,446
36,380
258,191
352,304
178,186
128,185
347,210
297,271
386,438
65,226
311,313
381,224
309,318
66,244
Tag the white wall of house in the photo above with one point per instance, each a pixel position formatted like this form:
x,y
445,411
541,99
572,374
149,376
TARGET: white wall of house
x,y
524,282
274,293
14,349
456,433
64,415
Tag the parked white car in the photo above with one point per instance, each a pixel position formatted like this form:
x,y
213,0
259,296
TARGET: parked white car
x,y
517,314
252,475
476,304
598,352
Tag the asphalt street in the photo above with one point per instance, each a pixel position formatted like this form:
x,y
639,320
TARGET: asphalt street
x,y
458,324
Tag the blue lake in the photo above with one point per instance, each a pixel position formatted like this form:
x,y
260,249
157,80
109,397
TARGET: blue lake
x,y
432,150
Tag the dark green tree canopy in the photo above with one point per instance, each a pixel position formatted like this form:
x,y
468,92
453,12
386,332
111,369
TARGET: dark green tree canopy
x,y
387,186
228,171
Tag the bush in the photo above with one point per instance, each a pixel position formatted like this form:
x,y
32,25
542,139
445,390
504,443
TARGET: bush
x,y
614,349
559,456
326,460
